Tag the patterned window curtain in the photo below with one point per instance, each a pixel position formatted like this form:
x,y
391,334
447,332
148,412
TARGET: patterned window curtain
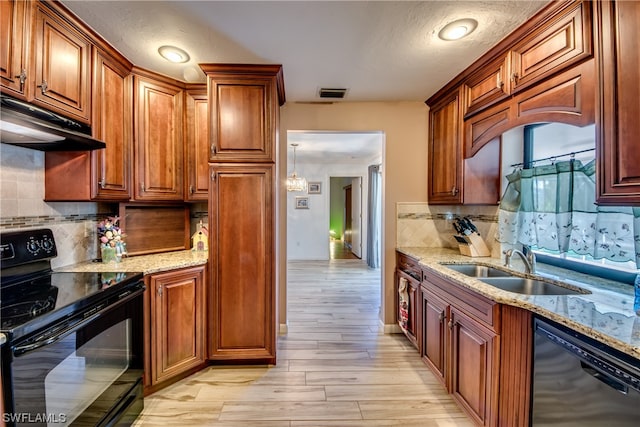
x,y
553,207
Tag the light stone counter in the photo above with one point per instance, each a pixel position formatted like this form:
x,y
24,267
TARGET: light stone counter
x,y
146,264
606,314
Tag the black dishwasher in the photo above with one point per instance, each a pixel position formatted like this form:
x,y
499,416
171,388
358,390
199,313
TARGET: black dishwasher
x,y
578,381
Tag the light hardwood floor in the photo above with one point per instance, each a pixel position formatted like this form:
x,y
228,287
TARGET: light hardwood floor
x,y
334,367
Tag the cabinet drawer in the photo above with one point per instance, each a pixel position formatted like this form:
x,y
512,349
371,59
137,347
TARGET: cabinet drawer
x,y
470,302
409,266
488,86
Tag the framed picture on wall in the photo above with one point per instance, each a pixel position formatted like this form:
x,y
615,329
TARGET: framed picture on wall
x,y
302,202
314,188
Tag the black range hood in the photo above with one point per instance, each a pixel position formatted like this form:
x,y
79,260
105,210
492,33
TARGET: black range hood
x,y
29,126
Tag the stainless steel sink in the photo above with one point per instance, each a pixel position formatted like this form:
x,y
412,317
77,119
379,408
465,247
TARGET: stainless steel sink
x,y
475,270
523,285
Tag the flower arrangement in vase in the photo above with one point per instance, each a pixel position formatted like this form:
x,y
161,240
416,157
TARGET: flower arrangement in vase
x,y
112,245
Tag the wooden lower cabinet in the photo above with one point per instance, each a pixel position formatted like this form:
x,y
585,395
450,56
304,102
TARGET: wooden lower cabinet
x,y
176,340
434,328
474,357
480,350
412,330
242,322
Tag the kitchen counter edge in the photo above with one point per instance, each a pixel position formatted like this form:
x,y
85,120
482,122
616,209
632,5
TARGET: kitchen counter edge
x,y
147,264
605,315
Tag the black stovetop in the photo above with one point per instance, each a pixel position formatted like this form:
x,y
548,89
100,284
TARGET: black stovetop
x,y
39,300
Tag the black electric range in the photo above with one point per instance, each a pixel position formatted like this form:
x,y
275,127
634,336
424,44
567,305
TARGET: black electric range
x,y
71,343
33,296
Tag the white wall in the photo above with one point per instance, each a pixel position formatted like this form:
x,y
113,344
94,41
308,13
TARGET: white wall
x,y
308,229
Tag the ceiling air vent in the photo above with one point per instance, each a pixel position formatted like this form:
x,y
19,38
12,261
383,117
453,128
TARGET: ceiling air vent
x,y
334,93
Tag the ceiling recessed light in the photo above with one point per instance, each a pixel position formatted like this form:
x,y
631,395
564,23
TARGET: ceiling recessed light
x,y
173,54
458,29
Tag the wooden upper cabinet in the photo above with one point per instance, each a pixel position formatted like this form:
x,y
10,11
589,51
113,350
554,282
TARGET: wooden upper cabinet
x,y
618,124
103,174
61,66
112,123
158,173
243,103
197,144
15,23
563,41
558,39
489,85
445,151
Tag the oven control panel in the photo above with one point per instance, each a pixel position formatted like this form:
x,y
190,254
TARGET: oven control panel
x,y
23,247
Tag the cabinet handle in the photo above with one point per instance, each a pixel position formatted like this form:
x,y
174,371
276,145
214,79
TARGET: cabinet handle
x,y
142,187
442,316
43,87
160,290
191,190
101,183
454,191
514,78
213,176
213,149
23,78
450,324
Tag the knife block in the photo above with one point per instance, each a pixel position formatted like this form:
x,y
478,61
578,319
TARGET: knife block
x,y
474,246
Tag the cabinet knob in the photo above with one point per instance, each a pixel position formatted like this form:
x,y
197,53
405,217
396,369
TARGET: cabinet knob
x,y
442,316
454,191
500,82
213,149
142,188
191,190
515,77
450,324
160,290
213,176
23,78
102,183
43,87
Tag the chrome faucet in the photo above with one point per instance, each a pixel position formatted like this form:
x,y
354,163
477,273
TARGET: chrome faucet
x,y
529,260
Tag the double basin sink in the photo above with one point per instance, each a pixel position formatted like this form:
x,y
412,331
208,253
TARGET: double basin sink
x,y
511,282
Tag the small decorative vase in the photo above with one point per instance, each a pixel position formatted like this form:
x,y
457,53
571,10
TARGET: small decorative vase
x,y
109,254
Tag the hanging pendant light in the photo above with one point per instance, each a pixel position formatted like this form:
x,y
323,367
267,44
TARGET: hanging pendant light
x,y
295,182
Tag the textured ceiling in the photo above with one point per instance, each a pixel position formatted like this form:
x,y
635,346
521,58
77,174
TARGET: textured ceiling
x,y
379,50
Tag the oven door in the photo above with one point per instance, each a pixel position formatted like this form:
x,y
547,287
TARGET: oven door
x,y
87,371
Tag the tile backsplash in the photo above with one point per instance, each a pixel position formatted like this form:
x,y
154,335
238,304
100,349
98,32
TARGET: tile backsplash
x,y
424,225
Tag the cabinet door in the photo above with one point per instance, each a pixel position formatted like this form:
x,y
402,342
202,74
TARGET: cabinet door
x,y
488,86
413,293
445,151
241,233
618,127
564,41
112,123
243,103
197,144
177,322
473,350
434,321
14,31
158,147
62,66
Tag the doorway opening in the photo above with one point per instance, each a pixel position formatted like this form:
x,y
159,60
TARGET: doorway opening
x,y
345,217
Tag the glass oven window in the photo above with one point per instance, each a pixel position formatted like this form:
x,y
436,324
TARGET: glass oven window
x,y
78,380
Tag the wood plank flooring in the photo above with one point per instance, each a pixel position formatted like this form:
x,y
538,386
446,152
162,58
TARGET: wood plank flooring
x,y
335,368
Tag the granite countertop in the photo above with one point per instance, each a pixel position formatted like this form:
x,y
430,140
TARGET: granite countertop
x,y
606,314
146,264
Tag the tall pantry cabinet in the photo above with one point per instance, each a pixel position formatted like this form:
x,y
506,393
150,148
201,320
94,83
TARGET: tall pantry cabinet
x,y
244,105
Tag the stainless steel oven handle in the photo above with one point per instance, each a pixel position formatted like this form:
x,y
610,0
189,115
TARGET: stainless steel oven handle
x,y
22,349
